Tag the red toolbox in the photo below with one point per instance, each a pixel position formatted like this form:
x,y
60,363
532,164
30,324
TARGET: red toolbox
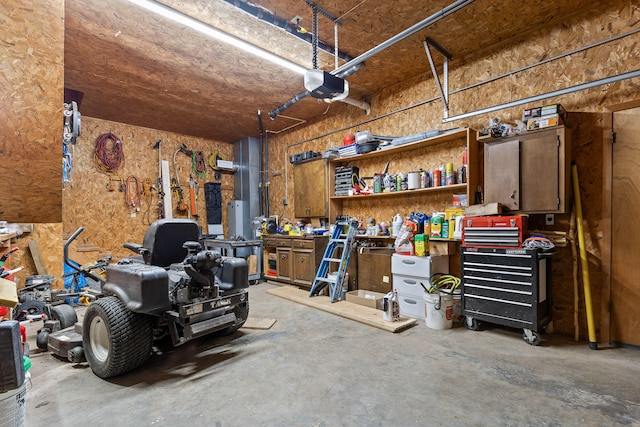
x,y
494,231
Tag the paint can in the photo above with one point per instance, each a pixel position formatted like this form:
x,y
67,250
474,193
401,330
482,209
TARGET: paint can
x,y
413,180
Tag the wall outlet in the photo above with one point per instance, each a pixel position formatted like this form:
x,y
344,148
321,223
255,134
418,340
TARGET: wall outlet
x,y
549,219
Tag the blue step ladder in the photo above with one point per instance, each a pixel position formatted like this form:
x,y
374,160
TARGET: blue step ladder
x,y
340,245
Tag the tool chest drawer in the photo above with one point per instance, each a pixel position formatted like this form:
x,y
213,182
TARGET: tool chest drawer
x,y
506,286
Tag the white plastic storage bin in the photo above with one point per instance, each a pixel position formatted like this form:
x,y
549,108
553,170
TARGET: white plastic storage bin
x,y
411,306
407,273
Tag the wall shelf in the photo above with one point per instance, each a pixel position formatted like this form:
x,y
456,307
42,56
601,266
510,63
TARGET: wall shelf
x,y
430,152
454,187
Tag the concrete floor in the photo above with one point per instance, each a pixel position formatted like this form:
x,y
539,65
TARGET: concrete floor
x,y
317,369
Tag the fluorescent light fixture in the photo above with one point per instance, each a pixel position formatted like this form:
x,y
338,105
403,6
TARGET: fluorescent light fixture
x,y
210,31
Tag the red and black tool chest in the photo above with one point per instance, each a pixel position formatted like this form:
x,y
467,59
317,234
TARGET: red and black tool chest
x,y
494,231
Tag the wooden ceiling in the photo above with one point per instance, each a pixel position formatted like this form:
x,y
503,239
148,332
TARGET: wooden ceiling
x,y
135,67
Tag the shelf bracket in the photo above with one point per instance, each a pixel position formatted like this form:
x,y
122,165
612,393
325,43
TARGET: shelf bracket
x,y
443,86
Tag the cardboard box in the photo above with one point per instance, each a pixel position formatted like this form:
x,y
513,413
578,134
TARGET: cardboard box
x,y
545,110
544,122
8,294
442,247
486,209
366,298
374,269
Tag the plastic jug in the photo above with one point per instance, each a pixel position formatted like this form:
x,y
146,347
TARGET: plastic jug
x,y
396,224
391,307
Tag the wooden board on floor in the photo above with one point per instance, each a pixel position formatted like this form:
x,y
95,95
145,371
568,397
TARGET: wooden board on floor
x,y
258,323
359,313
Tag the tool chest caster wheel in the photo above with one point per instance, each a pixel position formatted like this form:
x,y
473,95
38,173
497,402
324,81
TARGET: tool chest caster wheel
x,y
472,324
531,337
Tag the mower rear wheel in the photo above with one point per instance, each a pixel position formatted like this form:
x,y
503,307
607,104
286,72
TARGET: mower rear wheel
x,y
29,308
65,314
115,339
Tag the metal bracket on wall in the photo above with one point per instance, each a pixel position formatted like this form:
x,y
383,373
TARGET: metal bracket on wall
x,y
444,86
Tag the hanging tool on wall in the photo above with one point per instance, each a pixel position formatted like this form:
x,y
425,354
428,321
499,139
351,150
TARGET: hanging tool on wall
x,y
158,146
72,129
182,206
192,195
147,195
132,193
213,164
199,164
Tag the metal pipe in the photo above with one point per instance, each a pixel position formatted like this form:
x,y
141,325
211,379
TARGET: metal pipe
x,y
429,100
571,89
553,58
287,26
266,191
453,7
274,113
260,186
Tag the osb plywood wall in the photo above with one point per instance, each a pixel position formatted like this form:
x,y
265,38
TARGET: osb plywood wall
x,y
31,88
107,219
609,20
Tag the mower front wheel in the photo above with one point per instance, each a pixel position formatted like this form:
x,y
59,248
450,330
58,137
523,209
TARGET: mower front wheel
x,y
242,313
115,339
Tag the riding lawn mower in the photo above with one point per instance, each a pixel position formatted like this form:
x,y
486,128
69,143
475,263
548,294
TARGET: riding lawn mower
x,y
172,287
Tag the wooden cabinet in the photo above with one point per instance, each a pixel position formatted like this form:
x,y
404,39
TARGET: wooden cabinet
x,y
310,180
304,268
284,264
429,154
529,172
297,257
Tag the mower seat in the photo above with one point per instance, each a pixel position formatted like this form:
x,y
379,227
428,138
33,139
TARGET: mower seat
x,y
163,241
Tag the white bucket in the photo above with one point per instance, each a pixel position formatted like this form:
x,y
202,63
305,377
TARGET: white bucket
x,y
12,407
438,310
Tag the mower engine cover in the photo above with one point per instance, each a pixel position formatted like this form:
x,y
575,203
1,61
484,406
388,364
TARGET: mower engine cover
x,y
143,288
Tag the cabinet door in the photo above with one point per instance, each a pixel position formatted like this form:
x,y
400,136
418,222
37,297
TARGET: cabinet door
x,y
284,264
502,173
530,172
304,271
310,182
539,173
